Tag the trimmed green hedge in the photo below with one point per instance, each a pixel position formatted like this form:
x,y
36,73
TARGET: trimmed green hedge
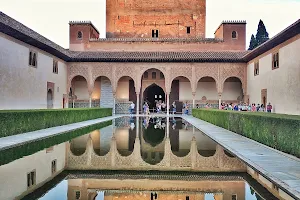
x,y
278,131
14,153
13,122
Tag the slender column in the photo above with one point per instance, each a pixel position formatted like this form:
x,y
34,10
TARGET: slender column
x,y
90,101
137,103
168,127
194,96
137,127
168,103
114,103
220,100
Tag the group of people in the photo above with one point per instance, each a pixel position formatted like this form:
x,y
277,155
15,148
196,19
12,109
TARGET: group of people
x,y
244,107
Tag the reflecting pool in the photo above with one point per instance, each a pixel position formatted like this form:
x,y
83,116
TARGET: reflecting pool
x,y
132,158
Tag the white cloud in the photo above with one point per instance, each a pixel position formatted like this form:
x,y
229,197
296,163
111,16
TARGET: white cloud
x,y
50,17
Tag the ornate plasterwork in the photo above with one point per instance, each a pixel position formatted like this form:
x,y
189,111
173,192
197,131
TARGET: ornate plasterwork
x,y
192,71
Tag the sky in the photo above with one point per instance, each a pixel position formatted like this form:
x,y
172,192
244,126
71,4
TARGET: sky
x,y
50,18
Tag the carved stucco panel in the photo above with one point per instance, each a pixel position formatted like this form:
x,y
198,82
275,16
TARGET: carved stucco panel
x,y
206,70
237,70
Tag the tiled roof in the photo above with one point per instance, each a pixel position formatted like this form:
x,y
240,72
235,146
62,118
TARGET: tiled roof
x,y
21,32
158,56
84,23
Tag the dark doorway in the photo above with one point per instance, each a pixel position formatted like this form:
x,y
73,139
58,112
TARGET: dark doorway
x,y
152,94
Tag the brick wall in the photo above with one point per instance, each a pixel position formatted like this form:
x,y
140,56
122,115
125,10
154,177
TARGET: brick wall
x,y
137,18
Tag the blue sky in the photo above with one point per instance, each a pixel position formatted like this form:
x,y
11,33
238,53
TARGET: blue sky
x,y
50,17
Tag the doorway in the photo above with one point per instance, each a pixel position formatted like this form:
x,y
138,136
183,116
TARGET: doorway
x,y
49,99
152,94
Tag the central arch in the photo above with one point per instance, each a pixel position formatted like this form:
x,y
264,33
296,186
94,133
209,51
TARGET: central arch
x,y
152,94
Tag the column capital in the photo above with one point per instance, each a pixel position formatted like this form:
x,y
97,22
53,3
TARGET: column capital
x,y
220,94
194,94
137,93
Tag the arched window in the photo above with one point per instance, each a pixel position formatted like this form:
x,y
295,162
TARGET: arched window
x,y
79,35
234,35
153,75
55,67
146,75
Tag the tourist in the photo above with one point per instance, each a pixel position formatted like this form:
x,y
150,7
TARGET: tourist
x,y
186,108
262,108
145,108
132,106
253,107
249,107
163,106
257,107
173,107
269,108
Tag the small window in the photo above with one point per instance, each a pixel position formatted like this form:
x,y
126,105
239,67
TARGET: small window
x,y
187,198
79,35
77,195
188,30
275,61
161,75
32,59
55,67
234,197
146,75
155,33
153,75
31,178
53,166
256,68
234,35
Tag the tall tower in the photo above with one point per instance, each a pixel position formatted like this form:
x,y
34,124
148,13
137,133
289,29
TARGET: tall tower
x,y
155,18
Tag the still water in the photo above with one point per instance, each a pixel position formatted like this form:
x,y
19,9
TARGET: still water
x,y
134,158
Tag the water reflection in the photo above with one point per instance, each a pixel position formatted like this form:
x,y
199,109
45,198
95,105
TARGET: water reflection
x,y
152,132
204,188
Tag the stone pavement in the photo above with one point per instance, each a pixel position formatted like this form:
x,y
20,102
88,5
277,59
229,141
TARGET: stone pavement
x,y
278,167
14,140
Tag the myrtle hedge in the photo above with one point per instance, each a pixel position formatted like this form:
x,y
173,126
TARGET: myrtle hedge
x,y
14,153
13,122
278,131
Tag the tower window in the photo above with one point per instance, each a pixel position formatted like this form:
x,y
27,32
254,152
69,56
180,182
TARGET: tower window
x,y
256,68
234,35
79,35
234,197
77,194
188,30
155,33
146,75
153,75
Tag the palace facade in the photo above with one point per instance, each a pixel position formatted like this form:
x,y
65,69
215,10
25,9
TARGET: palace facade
x,y
149,54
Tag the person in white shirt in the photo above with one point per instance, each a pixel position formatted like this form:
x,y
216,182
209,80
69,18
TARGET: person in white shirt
x,y
132,106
